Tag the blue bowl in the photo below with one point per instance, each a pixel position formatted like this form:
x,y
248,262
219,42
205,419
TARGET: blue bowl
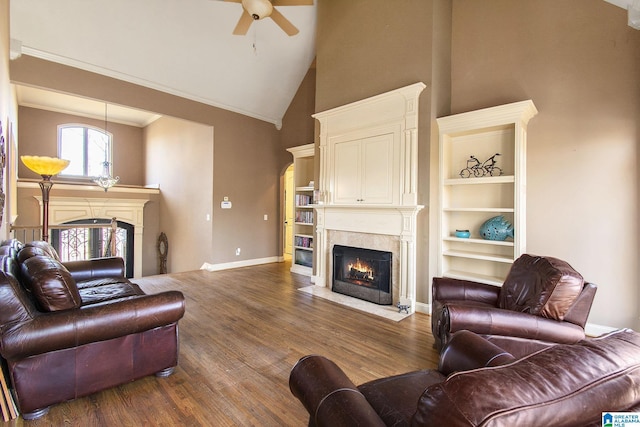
x,y
463,234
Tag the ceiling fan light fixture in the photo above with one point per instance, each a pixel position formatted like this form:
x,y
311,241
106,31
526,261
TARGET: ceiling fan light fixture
x,y
258,9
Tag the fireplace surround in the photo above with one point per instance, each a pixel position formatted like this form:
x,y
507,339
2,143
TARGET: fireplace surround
x,y
368,185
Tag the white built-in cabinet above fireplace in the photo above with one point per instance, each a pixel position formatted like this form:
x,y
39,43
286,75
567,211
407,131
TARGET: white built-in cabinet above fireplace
x,y
365,167
368,150
368,183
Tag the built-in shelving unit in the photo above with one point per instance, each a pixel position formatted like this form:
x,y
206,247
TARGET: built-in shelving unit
x,y
303,172
465,203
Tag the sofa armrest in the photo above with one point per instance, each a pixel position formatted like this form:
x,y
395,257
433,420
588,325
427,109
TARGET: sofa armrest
x,y
95,268
495,321
448,289
70,328
581,307
466,351
329,395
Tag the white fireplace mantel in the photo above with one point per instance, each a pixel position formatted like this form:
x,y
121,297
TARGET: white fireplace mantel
x,y
368,184
66,209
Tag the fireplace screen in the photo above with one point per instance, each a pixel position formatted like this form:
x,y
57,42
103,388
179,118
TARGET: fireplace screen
x,y
362,273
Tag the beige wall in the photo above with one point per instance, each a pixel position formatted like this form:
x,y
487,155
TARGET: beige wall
x,y
367,47
8,119
580,64
297,123
298,128
245,164
39,135
187,192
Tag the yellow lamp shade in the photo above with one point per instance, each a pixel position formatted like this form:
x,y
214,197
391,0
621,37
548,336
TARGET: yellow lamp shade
x,y
43,165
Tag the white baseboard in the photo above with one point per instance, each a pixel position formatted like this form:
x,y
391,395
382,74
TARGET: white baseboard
x,y
237,264
423,307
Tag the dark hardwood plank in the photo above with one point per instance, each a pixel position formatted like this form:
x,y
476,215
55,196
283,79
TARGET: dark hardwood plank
x,y
243,331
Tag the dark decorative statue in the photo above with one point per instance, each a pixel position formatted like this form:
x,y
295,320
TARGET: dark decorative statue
x,y
476,169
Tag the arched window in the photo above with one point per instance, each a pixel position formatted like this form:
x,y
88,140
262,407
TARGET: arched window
x,y
87,147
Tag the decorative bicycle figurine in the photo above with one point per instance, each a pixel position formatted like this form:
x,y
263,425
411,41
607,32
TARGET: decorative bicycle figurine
x,y
476,169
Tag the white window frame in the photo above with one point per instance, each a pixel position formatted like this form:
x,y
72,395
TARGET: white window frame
x,y
85,160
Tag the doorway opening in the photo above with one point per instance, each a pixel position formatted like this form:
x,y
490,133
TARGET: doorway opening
x,y
289,192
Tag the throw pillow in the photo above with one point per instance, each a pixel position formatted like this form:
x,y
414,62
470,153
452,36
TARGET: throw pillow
x,y
51,283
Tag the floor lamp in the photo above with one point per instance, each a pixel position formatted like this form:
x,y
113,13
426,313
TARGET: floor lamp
x,y
46,167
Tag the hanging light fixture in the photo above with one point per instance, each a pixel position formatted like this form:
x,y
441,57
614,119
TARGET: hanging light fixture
x,y
105,180
258,9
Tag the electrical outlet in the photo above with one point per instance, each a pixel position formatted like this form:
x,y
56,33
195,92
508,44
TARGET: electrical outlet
x,y
237,251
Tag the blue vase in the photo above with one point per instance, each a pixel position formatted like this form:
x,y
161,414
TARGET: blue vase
x,y
463,234
496,228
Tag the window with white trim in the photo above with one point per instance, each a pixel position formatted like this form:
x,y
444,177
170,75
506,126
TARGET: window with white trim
x,y
87,148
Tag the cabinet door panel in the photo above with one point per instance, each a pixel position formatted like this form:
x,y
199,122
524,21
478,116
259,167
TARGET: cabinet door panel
x,y
347,172
377,169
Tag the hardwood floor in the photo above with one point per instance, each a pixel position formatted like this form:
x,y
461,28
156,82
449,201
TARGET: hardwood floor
x,y
243,331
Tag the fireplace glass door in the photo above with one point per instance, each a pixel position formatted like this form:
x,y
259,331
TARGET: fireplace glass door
x,y
362,273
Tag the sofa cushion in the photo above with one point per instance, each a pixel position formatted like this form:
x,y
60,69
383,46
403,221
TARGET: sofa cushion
x,y
107,290
51,283
562,385
37,247
543,286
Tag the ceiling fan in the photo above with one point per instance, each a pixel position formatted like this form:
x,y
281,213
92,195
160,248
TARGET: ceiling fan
x,y
253,10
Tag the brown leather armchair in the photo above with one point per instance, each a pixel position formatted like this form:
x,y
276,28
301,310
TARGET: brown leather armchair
x,y
479,384
543,300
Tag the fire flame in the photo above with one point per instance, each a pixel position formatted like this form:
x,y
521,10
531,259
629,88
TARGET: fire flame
x,y
363,270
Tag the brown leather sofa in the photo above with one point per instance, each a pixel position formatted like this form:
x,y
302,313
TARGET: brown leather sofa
x,y
479,384
69,330
543,300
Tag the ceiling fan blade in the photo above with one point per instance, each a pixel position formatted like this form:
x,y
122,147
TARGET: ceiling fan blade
x,y
290,2
233,1
283,23
243,25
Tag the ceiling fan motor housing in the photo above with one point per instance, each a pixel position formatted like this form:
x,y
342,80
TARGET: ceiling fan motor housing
x,y
258,9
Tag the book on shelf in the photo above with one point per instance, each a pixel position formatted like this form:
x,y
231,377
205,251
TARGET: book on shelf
x,y
304,217
303,200
303,242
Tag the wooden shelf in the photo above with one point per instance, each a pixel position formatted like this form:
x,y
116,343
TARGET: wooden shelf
x,y
505,179
303,175
479,241
488,210
466,203
479,256
463,275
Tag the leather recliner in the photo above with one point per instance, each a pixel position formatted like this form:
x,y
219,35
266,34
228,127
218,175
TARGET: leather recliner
x,y
543,300
478,383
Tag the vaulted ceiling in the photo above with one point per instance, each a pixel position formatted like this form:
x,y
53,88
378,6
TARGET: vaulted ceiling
x,y
182,47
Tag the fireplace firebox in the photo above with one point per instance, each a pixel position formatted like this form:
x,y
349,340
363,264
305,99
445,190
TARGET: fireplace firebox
x,y
362,273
